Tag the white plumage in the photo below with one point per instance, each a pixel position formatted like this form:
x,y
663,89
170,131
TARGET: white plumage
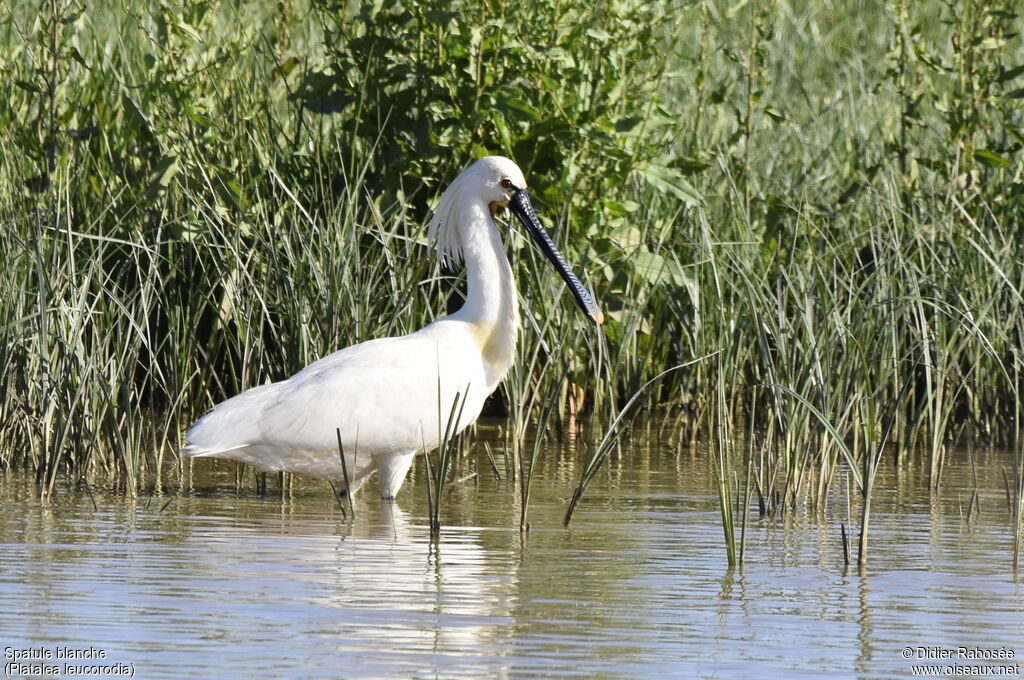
x,y
392,397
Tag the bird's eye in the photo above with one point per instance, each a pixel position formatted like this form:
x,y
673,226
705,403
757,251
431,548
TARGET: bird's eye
x,y
506,183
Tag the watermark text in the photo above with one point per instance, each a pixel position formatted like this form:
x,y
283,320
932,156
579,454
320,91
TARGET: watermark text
x,y
962,661
60,661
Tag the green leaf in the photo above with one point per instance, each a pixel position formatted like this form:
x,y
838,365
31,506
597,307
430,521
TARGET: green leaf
x,y
1010,74
690,166
287,66
649,265
524,107
990,159
626,125
1016,132
161,177
27,86
620,208
231,192
190,32
197,117
626,237
77,56
134,113
669,181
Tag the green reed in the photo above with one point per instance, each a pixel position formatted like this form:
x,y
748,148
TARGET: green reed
x,y
437,473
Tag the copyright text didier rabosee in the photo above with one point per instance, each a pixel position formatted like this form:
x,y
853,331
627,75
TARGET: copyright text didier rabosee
x,y
60,661
962,661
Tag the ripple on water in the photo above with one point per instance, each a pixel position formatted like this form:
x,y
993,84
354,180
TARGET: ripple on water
x,y
635,588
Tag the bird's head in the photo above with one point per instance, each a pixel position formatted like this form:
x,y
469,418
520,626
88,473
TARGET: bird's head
x,y
498,179
497,182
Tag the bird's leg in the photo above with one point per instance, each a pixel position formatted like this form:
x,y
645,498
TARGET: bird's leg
x,y
393,467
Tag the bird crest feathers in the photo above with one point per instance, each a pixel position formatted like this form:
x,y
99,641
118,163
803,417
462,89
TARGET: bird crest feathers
x,y
478,184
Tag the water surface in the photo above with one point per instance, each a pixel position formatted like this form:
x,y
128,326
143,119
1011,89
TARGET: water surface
x,y
216,582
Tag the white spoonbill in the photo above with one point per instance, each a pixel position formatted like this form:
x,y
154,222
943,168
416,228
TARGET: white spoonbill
x,y
392,397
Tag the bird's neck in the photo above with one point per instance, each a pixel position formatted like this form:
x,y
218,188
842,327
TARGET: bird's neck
x,y
491,305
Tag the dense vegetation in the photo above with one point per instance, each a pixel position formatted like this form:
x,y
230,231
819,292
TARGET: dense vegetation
x,y
823,204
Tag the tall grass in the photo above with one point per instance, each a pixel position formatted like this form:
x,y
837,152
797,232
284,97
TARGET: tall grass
x,y
198,197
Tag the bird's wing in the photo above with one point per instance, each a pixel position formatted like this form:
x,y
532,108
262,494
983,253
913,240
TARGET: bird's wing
x,y
387,395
